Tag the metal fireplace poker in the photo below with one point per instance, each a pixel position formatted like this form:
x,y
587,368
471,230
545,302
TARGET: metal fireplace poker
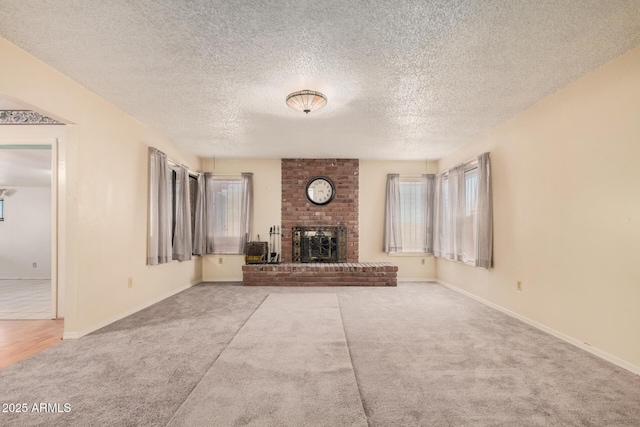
x,y
275,239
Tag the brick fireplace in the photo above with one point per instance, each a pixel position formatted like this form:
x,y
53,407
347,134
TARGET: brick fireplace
x,y
297,211
320,244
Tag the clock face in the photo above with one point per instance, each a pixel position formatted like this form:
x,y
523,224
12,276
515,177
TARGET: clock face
x,y
320,190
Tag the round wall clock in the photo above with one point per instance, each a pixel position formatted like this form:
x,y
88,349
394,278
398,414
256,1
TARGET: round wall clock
x,y
320,190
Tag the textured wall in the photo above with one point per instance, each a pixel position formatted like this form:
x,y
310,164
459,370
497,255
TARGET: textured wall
x,y
298,211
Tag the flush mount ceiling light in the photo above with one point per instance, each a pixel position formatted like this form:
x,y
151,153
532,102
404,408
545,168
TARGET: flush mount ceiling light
x,y
306,100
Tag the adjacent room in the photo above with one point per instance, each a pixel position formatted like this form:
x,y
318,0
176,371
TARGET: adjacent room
x,y
319,213
25,212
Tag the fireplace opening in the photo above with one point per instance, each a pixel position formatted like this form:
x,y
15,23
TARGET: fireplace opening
x,y
319,244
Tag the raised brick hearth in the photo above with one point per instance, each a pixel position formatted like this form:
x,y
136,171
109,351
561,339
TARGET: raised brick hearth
x,y
321,274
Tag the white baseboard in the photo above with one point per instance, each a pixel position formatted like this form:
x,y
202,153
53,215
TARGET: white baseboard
x,y
576,342
72,335
25,278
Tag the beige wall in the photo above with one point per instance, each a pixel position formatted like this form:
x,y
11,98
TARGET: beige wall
x,y
373,184
266,210
105,160
567,212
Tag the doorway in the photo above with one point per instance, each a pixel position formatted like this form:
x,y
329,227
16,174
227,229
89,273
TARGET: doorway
x,y
28,237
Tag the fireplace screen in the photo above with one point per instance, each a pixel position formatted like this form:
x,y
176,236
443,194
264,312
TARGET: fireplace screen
x,y
319,244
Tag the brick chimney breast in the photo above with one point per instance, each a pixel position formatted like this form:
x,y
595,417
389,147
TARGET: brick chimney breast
x,y
298,211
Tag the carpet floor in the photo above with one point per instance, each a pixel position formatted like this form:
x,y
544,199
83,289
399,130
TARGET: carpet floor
x,y
286,366
222,354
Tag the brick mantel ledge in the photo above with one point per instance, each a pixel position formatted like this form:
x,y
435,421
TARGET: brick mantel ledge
x,y
321,274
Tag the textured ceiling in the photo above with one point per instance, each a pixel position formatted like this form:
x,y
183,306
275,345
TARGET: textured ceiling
x,y
404,79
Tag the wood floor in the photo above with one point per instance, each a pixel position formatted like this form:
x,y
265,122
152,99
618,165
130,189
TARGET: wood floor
x,y
20,339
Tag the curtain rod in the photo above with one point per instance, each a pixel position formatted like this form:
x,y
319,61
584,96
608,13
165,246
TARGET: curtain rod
x,y
470,162
229,176
414,175
174,163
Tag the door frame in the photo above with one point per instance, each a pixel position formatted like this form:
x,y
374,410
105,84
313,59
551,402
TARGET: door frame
x,y
57,285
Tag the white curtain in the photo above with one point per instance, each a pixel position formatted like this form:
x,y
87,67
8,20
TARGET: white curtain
x,y
182,239
160,216
484,250
228,213
392,239
199,246
210,213
428,187
456,184
449,212
246,210
439,249
449,189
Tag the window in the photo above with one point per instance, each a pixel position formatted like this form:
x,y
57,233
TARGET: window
x,y
224,234
412,215
463,213
470,223
1,209
446,215
174,184
193,195
457,223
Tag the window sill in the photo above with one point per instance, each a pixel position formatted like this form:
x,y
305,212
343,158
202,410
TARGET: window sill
x,y
409,254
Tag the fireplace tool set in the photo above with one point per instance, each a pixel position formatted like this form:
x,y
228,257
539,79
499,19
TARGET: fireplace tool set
x,y
274,244
265,252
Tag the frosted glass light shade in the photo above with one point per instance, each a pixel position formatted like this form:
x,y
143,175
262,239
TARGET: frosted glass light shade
x,y
306,100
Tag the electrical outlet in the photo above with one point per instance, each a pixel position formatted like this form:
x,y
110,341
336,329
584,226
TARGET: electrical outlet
x,y
35,265
423,260
519,285
130,282
220,260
